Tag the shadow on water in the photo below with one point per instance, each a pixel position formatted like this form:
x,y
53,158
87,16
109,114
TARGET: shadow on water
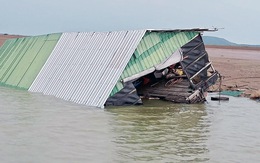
x,y
161,131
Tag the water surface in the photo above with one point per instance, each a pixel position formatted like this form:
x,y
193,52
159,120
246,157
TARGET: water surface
x,y
38,128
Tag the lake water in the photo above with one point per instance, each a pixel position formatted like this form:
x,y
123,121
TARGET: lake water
x,y
38,128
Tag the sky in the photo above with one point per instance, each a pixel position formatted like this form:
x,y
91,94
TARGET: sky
x,y
238,20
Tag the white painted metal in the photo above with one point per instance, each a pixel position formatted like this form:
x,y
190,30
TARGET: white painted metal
x,y
136,76
84,67
174,58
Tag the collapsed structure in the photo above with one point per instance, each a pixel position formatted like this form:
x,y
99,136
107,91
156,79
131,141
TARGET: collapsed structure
x,y
111,68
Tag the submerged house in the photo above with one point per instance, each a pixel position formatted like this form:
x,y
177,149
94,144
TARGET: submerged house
x,y
110,68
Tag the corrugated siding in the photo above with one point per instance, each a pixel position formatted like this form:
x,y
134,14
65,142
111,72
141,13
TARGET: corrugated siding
x,y
84,67
154,48
21,59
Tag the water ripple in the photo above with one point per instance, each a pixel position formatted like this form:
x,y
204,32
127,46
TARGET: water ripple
x,y
38,128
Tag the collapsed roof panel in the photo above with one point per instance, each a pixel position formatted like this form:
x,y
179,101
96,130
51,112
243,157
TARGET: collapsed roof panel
x,y
154,48
151,53
90,67
197,66
22,59
182,78
84,67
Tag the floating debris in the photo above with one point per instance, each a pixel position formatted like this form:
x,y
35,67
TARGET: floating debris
x,y
219,98
255,95
232,93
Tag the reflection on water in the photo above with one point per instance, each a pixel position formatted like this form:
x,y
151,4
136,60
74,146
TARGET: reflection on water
x,y
37,128
161,132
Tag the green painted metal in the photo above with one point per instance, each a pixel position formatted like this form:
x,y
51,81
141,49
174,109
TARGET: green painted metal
x,y
21,59
154,48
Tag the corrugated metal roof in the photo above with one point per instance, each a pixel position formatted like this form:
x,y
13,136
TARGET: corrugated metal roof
x,y
84,67
21,59
155,47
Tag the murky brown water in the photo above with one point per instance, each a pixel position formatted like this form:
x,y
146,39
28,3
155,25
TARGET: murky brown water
x,y
37,128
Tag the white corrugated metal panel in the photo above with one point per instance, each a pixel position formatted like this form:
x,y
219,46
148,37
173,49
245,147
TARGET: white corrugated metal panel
x,y
84,67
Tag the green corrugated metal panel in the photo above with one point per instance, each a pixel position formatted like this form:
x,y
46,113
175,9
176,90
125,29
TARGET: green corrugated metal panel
x,y
21,59
4,46
117,88
153,49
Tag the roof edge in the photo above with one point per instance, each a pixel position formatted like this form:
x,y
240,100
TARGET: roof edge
x,y
183,30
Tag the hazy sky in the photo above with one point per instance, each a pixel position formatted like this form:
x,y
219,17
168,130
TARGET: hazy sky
x,y
239,18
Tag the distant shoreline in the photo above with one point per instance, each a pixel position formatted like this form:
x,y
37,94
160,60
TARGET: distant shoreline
x,y
233,47
4,37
